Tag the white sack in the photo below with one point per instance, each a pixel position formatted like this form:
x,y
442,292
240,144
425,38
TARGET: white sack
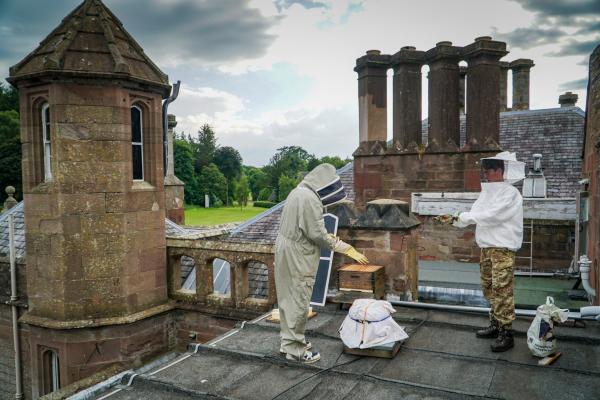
x,y
369,323
540,335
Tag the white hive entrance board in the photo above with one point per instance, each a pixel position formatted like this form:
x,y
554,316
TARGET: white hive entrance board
x,y
319,293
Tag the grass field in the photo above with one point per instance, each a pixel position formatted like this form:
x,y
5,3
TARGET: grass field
x,y
214,216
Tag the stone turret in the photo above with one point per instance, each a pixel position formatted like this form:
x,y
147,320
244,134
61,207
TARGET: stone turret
x,y
93,185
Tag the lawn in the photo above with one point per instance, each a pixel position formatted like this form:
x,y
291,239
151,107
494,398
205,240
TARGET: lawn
x,y
214,216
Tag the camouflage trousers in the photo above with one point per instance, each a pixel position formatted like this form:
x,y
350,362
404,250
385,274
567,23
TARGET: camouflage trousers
x,y
496,267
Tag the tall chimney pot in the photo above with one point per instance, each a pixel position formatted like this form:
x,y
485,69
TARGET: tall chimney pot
x,y
567,99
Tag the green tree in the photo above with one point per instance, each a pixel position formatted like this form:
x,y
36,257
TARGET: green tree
x,y
183,155
9,98
229,162
204,147
258,180
286,185
291,161
264,194
10,167
336,161
10,151
9,124
212,182
242,191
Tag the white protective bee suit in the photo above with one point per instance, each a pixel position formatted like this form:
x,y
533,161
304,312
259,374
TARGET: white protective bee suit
x,y
498,211
297,251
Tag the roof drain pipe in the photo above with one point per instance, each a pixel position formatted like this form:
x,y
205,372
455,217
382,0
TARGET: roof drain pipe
x,y
165,108
15,311
584,268
482,310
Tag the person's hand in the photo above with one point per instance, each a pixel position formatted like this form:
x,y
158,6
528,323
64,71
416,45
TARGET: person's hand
x,y
445,219
357,256
346,249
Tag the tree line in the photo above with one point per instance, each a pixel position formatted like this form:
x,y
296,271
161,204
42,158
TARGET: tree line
x,y
10,142
205,167
209,169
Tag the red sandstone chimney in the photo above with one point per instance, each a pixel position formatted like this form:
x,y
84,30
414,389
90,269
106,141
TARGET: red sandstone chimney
x,y
444,77
520,69
567,99
503,85
483,91
372,96
407,65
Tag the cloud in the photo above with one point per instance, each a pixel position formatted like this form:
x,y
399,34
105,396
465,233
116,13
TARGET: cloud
x,y
331,131
579,84
562,8
283,4
526,38
575,48
552,17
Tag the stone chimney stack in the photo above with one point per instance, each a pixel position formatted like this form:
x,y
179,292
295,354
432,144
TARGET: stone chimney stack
x,y
567,99
444,77
483,91
174,187
407,65
504,86
520,70
461,89
372,96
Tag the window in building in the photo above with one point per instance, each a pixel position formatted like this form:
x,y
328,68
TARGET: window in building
x,y
51,372
188,274
258,280
47,143
221,277
137,146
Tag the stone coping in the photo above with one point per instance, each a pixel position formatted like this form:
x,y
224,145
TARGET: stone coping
x,y
96,322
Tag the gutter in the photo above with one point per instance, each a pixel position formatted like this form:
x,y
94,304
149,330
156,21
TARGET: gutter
x,y
165,107
15,312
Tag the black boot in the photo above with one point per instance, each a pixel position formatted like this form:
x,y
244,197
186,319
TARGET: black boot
x,y
489,332
504,341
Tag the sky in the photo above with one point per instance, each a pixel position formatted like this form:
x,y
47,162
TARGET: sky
x,y
273,73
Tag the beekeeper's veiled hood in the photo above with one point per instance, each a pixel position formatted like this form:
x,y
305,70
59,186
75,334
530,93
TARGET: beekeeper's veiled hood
x,y
324,181
514,171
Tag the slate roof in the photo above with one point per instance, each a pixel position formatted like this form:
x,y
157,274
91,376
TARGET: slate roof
x,y
442,359
19,221
90,41
556,133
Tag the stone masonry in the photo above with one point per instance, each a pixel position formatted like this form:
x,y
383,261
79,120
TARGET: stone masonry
x,y
96,247
590,167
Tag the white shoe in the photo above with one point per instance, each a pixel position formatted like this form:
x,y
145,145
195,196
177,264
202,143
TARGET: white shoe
x,y
308,357
307,347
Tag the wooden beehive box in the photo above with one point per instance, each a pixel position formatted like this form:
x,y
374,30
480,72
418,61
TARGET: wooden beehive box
x,y
362,278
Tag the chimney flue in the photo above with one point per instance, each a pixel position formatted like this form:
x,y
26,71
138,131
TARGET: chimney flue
x,y
520,70
567,99
372,96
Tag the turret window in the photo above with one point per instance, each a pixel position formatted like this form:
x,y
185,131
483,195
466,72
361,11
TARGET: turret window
x,y
137,145
47,142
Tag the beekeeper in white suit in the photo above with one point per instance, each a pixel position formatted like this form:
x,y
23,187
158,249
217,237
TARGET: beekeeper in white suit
x,y
498,216
297,252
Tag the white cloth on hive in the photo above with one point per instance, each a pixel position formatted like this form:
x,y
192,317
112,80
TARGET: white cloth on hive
x,y
369,323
